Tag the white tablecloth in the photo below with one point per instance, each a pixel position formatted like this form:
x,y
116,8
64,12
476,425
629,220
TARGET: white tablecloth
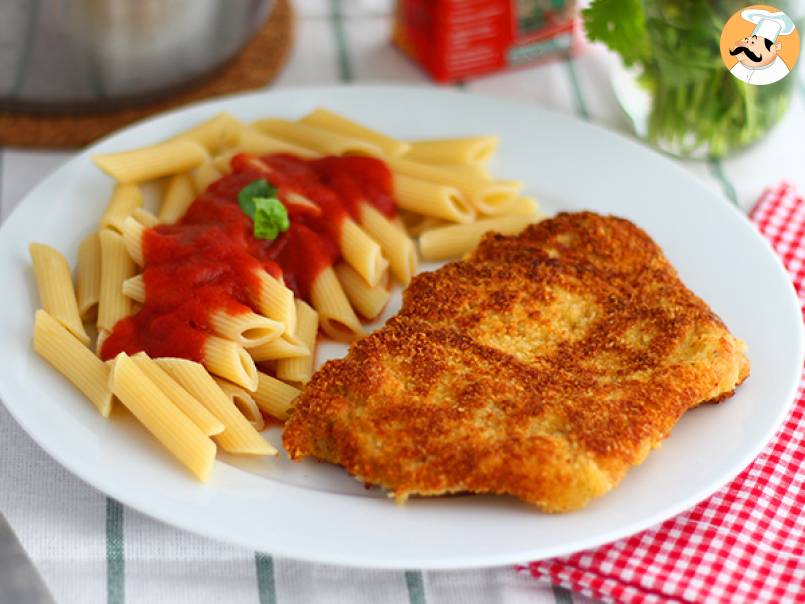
x,y
90,549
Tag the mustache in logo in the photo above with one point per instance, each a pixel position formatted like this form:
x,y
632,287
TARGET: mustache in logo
x,y
743,49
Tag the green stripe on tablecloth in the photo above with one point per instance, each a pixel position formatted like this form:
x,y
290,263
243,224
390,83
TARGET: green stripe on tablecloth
x,y
581,105
266,588
717,170
115,553
337,17
416,586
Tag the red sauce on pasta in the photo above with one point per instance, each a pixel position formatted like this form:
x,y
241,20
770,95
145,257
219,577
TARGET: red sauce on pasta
x,y
208,260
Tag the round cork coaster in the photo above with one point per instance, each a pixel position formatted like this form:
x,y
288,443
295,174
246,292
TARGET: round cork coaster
x,y
256,65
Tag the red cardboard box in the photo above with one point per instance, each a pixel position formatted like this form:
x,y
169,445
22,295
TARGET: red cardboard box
x,y
456,39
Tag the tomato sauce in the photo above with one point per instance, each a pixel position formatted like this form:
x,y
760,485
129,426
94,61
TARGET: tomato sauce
x,y
209,260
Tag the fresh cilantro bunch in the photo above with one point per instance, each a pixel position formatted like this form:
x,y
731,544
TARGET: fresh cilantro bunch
x,y
698,106
259,201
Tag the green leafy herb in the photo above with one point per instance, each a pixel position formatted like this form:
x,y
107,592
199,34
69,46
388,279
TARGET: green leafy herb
x,y
270,219
255,189
259,201
698,106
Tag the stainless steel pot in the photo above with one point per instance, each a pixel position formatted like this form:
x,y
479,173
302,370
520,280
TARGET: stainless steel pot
x,y
81,55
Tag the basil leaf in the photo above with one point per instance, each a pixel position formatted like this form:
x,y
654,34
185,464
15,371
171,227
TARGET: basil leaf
x,y
270,218
255,189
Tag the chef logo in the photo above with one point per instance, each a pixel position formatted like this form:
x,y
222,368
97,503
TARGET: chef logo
x,y
760,45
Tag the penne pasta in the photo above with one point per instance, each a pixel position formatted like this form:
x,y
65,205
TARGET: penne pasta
x,y
254,141
274,397
70,357
282,348
486,196
275,301
203,176
338,124
300,369
161,417
362,252
244,402
322,141
476,150
523,206
471,171
238,436
217,132
432,199
116,267
369,301
397,246
453,241
245,328
229,360
88,276
163,159
55,285
134,288
125,199
133,239
425,223
145,218
336,316
223,161
179,194
184,401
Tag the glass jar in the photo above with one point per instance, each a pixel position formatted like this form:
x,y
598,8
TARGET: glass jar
x,y
683,100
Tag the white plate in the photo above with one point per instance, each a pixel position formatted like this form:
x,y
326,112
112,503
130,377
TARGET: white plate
x,y
315,511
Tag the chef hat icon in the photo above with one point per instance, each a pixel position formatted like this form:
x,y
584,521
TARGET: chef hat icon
x,y
768,25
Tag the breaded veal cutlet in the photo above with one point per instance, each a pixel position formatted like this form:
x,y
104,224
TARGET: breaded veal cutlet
x,y
542,366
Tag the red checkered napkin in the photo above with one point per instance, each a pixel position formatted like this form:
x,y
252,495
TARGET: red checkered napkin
x,y
746,543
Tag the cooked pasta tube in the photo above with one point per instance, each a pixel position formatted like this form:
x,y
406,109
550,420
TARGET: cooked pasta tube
x,y
362,252
161,417
452,241
253,141
323,141
523,206
244,402
472,171
203,176
336,316
245,328
471,150
59,347
219,131
487,196
145,218
133,238
55,285
116,267
163,159
88,276
286,347
223,161
134,288
179,194
425,223
274,397
229,360
368,300
275,301
300,369
338,124
432,199
397,247
125,199
238,436
184,401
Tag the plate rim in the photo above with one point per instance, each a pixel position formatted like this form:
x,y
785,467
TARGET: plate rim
x,y
152,508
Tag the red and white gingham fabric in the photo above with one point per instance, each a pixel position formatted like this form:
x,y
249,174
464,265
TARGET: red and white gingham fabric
x,y
746,543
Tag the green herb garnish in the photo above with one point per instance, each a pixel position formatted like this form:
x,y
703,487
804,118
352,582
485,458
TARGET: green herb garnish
x,y
259,201
698,106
